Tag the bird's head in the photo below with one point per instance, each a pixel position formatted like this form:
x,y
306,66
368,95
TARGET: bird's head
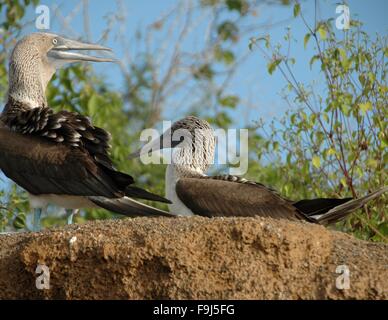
x,y
193,140
35,59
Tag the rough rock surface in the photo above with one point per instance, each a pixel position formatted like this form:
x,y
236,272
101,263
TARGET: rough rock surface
x,y
192,258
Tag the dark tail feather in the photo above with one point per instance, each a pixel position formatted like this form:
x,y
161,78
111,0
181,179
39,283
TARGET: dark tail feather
x,y
339,212
129,207
138,193
318,206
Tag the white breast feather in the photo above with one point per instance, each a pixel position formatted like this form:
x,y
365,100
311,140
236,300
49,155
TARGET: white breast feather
x,y
177,205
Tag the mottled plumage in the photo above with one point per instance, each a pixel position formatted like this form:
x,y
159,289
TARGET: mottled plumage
x,y
59,158
193,192
68,128
196,152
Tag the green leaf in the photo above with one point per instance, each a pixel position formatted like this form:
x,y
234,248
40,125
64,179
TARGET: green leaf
x,y
204,72
228,31
20,221
345,109
372,163
272,65
93,104
383,227
342,53
316,161
361,78
360,172
289,156
331,151
296,9
306,39
364,107
238,5
229,101
228,57
386,51
322,32
371,77
383,139
305,169
225,56
313,59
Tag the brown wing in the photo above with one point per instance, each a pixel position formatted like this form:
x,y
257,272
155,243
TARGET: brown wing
x,y
220,196
76,133
63,127
44,167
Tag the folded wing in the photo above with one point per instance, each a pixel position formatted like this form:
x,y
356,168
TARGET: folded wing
x,y
43,167
233,196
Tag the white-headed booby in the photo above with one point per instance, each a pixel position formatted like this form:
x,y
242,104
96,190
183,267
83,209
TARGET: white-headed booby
x,y
193,192
59,158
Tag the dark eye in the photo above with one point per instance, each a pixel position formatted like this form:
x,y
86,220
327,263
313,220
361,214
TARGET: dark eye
x,y
55,41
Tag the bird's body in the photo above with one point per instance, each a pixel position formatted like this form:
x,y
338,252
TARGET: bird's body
x,y
59,158
193,192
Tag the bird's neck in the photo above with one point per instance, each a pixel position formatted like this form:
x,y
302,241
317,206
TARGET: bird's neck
x,y
191,162
183,171
173,174
28,82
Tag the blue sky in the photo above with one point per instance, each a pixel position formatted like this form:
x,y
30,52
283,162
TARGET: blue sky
x,y
252,79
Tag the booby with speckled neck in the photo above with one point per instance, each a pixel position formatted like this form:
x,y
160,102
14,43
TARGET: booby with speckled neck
x,y
193,192
59,158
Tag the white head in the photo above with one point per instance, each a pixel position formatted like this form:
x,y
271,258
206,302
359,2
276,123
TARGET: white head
x,y
193,142
34,61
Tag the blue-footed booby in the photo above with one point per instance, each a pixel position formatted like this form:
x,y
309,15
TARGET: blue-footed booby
x,y
59,158
193,192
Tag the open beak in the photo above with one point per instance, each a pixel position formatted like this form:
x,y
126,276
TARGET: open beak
x,y
63,51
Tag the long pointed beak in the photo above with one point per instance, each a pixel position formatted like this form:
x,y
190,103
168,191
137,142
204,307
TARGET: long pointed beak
x,y
62,51
168,140
154,145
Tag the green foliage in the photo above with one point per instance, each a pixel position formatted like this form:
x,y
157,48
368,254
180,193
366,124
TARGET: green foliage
x,y
240,6
334,139
225,56
229,101
204,72
296,9
13,208
14,11
228,31
273,64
